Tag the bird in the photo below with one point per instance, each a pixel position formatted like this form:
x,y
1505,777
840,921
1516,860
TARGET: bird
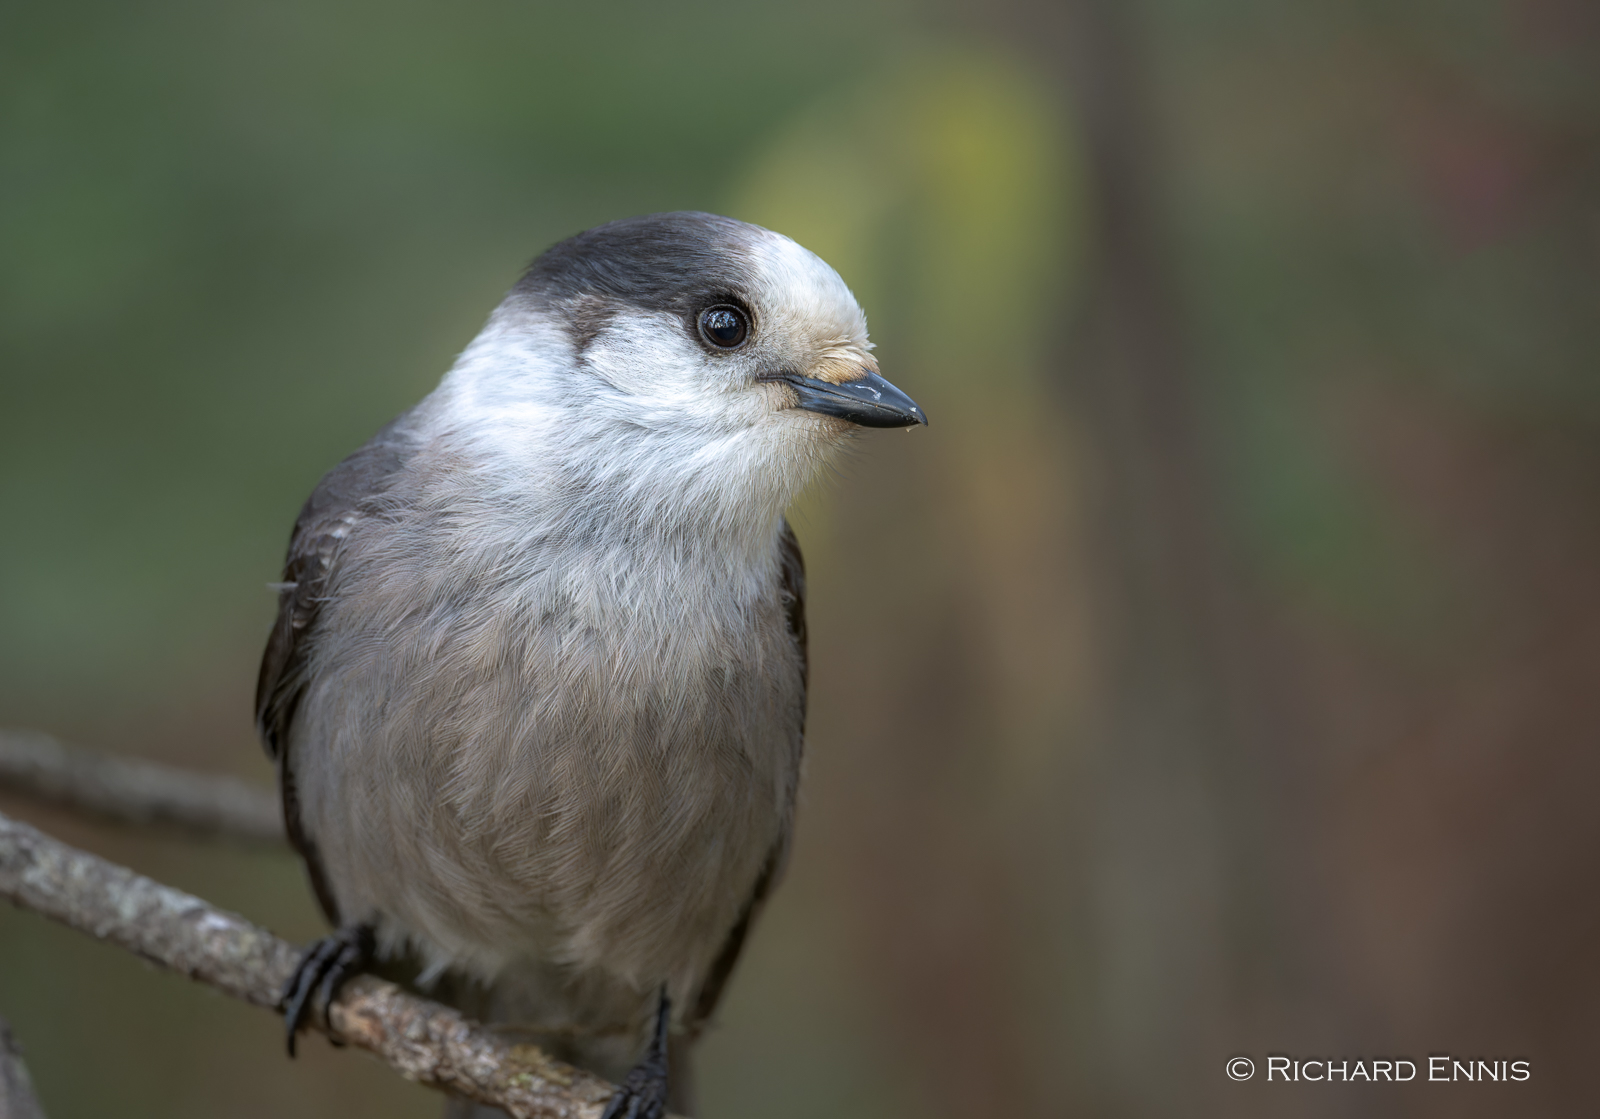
x,y
536,689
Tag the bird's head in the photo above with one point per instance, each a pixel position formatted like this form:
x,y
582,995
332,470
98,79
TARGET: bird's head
x,y
687,344
704,336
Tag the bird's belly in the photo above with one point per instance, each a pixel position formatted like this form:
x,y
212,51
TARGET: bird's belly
x,y
559,805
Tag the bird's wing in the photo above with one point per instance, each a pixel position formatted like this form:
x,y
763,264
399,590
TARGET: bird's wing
x,y
345,495
793,575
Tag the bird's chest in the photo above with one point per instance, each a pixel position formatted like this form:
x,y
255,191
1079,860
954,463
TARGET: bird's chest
x,y
632,674
618,755
588,764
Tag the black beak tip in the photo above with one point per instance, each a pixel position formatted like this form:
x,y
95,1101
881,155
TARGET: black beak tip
x,y
869,401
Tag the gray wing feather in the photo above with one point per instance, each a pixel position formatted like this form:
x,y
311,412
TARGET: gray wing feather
x,y
347,493
793,574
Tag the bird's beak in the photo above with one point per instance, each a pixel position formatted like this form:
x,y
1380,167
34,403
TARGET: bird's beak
x,y
868,400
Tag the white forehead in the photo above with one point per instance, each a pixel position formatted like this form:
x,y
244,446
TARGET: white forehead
x,y
802,292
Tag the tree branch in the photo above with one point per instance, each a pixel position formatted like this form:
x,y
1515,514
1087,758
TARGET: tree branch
x,y
422,1040
137,792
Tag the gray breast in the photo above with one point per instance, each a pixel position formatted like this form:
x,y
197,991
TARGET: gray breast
x,y
514,751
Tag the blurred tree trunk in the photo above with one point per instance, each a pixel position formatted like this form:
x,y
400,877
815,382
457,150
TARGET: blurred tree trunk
x,y
1179,888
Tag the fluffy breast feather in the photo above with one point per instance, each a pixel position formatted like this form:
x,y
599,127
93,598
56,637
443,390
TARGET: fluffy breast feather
x,y
545,747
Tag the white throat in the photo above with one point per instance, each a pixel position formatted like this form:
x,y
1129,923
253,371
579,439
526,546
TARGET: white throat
x,y
626,443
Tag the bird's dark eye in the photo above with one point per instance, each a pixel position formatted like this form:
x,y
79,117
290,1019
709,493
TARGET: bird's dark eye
x,y
724,327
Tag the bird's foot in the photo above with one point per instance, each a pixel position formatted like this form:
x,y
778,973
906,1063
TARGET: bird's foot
x,y
321,972
643,1092
642,1095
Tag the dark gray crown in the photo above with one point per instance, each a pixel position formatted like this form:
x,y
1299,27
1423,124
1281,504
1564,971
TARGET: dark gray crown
x,y
680,263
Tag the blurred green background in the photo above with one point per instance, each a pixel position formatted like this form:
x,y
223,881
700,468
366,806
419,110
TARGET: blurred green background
x,y
1228,680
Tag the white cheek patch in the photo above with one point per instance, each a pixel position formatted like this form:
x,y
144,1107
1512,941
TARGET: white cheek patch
x,y
503,378
646,355
649,371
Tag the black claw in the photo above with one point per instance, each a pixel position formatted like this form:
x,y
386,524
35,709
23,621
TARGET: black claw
x,y
296,996
323,970
643,1093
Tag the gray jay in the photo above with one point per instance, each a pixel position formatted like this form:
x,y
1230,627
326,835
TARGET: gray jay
x,y
536,691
